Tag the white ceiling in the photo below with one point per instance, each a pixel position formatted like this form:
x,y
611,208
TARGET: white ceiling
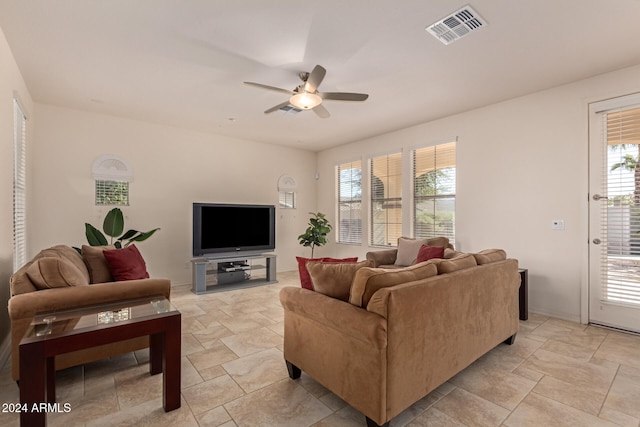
x,y
182,62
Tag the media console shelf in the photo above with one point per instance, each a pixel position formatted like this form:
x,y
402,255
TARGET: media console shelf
x,y
221,274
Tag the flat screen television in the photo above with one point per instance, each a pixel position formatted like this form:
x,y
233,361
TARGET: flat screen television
x,y
233,229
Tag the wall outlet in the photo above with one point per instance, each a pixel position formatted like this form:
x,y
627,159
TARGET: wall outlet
x,y
557,224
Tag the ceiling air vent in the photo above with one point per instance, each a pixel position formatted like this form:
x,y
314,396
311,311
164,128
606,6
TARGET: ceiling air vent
x,y
456,25
290,109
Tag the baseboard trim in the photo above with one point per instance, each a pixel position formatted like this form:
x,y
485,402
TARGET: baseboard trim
x,y
561,316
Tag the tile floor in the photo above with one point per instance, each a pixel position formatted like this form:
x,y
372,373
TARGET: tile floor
x,y
557,373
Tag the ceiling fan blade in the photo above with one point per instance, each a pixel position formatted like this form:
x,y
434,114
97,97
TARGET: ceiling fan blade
x,y
321,111
343,96
277,107
277,89
314,79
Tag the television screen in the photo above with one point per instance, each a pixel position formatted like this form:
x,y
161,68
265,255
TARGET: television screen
x,y
228,229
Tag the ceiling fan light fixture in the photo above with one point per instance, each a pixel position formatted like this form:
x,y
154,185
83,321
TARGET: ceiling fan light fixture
x,y
305,100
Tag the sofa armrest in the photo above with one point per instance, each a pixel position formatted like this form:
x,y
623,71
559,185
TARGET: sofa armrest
x,y
27,305
335,314
383,257
341,346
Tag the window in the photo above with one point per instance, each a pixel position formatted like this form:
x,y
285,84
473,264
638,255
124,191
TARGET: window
x,y
386,199
112,176
434,191
19,186
287,192
287,199
112,192
349,179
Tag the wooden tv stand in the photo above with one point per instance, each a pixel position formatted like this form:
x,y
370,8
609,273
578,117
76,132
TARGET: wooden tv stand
x,y
213,274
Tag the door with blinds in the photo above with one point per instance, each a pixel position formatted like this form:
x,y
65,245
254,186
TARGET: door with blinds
x,y
614,213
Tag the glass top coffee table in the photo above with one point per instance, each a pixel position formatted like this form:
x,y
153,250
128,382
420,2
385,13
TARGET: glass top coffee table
x,y
55,333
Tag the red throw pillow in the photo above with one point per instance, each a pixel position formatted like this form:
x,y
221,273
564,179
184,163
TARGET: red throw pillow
x,y
305,279
427,252
126,264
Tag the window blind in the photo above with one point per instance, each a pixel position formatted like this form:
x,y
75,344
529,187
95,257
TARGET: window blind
x,y
620,259
110,192
434,191
287,199
349,180
386,199
19,186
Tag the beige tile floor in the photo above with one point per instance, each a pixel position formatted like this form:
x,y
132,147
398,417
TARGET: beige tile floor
x,y
557,373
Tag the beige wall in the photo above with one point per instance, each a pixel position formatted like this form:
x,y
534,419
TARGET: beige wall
x,y
11,83
521,164
173,168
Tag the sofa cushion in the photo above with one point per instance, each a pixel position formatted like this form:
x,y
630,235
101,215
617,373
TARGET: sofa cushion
x,y
490,255
427,252
126,263
305,279
96,263
408,248
20,283
52,272
334,279
67,253
369,280
460,262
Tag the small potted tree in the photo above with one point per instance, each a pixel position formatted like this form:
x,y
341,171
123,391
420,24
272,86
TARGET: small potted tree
x,y
316,233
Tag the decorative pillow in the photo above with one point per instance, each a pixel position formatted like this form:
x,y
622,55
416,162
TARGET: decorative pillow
x,y
334,279
450,253
126,263
458,263
51,272
427,252
305,280
68,254
369,280
490,255
408,248
96,263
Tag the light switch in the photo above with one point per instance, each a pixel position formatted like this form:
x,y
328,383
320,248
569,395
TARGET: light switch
x,y
557,224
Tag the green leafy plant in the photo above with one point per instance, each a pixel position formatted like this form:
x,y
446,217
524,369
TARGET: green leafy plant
x,y
113,226
316,233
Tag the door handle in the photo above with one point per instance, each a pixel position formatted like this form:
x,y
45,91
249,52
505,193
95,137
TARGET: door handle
x,y
597,241
598,197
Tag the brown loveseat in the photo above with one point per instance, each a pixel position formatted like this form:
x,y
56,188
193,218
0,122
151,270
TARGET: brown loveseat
x,y
58,279
402,332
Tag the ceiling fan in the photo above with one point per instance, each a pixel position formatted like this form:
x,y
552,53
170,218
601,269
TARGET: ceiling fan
x,y
306,96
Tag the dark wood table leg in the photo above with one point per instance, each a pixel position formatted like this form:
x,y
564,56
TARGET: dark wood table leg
x,y
51,379
524,294
156,353
32,384
171,364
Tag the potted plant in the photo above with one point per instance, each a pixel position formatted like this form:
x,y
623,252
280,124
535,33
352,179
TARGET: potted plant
x,y
316,233
113,226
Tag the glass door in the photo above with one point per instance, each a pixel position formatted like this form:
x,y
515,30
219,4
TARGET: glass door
x,y
614,213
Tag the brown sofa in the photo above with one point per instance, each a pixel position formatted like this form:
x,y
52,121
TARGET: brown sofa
x,y
58,278
403,332
388,258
